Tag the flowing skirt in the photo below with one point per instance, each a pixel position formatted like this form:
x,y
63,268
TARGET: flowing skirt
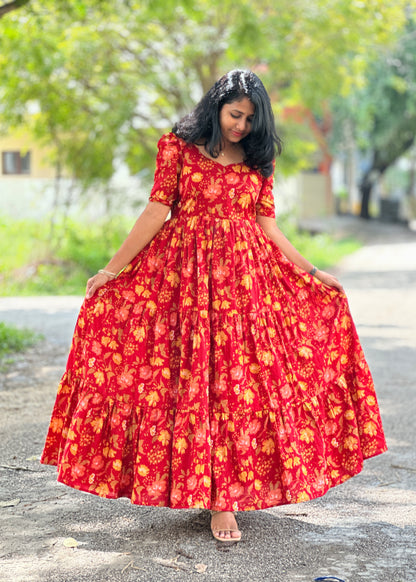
x,y
213,373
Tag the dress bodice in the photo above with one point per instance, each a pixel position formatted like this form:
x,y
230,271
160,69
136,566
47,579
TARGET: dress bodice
x,y
195,185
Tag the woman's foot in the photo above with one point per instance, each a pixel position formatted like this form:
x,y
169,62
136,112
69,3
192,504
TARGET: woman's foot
x,y
224,526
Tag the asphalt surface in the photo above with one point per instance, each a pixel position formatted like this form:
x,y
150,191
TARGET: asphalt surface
x,y
362,530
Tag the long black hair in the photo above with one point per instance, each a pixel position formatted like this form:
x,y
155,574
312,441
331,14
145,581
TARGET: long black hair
x,y
261,145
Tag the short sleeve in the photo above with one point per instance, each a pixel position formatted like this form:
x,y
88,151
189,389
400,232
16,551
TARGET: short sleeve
x,y
265,201
168,166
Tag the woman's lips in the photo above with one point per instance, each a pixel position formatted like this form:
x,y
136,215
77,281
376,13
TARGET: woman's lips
x,y
236,133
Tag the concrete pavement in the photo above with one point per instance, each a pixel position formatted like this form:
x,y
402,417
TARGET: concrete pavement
x,y
363,530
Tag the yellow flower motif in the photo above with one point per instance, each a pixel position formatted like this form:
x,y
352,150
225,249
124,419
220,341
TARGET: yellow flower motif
x,y
254,368
207,481
303,496
99,308
221,453
102,490
277,306
268,300
117,465
306,434
244,200
371,400
117,359
185,374
173,279
99,378
247,281
267,358
257,485
220,338
342,382
303,326
268,447
306,352
249,396
349,414
164,437
243,476
197,177
350,443
370,428
143,470
166,373
288,463
139,334
97,425
153,398
181,445
196,342
74,449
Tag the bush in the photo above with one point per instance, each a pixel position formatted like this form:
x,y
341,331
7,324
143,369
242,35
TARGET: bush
x,y
34,262
15,340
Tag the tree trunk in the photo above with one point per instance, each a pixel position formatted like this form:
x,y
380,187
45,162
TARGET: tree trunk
x,y
9,6
366,188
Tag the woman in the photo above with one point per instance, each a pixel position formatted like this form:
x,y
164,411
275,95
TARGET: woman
x,y
212,366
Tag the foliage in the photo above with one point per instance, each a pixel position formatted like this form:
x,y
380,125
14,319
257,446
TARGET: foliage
x,y
28,269
13,339
383,113
99,81
37,269
323,249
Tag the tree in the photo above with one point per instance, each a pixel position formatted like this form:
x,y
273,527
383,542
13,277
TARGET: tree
x,y
384,111
101,80
9,6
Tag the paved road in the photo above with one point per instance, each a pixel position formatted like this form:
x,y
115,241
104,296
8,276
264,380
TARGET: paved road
x,y
363,530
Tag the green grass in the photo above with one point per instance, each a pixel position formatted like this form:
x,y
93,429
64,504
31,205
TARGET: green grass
x,y
322,250
34,261
13,340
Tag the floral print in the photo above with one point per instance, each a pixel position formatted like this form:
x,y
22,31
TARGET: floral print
x,y
213,372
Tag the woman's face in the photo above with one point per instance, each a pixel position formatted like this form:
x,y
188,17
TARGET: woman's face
x,y
235,120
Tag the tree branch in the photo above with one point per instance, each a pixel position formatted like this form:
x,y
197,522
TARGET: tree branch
x,y
5,8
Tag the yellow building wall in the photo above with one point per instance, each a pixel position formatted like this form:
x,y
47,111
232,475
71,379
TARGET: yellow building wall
x,y
40,164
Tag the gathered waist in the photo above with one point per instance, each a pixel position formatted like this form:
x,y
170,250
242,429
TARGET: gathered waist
x,y
194,220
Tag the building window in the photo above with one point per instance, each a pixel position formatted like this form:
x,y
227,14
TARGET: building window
x,y
15,163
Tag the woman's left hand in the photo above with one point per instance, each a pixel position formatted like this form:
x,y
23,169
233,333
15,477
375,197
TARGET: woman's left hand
x,y
329,279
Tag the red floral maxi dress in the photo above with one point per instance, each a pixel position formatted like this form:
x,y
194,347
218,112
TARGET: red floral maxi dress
x,y
213,373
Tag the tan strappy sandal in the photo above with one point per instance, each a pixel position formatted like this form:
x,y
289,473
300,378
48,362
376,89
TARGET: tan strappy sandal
x,y
215,531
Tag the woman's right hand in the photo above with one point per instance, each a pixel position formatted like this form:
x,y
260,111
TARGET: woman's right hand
x,y
95,283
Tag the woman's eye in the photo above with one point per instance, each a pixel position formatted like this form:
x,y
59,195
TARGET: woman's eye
x,y
235,116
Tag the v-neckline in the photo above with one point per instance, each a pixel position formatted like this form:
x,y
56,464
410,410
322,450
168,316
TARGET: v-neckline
x,y
214,160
